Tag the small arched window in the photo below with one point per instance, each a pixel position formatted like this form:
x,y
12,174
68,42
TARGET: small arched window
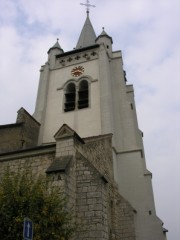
x,y
83,94
70,97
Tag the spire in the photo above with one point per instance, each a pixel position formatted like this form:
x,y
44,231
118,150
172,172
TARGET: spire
x,y
103,32
87,36
57,45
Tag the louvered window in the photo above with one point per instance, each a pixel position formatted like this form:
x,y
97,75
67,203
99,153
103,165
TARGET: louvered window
x,y
83,94
70,97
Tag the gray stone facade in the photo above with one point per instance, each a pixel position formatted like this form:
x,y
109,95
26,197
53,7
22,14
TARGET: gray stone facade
x,y
20,135
79,167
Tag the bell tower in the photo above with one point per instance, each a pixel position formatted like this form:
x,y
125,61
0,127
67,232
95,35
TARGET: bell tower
x,y
86,89
69,89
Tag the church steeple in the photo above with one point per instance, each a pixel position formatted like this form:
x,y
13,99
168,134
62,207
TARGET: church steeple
x,y
87,36
86,89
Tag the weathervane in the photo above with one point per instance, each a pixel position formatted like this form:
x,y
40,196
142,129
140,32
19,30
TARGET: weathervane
x,y
88,5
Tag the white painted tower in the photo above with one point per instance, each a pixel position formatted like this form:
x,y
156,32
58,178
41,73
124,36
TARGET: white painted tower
x,y
86,89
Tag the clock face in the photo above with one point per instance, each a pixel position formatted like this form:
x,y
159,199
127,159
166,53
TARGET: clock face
x,y
77,71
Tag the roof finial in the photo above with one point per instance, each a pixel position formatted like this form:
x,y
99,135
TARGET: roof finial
x,y
57,39
88,5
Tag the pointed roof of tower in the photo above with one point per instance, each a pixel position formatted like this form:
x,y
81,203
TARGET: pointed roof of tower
x,y
104,34
87,36
56,46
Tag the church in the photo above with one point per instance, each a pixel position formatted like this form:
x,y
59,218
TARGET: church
x,y
84,136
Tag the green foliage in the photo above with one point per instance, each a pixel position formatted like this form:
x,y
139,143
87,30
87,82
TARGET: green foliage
x,y
22,195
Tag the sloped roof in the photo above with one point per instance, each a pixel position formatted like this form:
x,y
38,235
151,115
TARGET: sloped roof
x,y
59,164
65,131
104,34
87,36
56,45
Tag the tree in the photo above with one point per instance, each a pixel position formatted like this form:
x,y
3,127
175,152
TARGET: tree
x,y
22,195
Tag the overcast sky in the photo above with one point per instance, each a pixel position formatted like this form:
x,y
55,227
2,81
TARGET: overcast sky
x,y
147,32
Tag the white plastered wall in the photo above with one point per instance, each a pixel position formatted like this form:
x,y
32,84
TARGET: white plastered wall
x,y
84,121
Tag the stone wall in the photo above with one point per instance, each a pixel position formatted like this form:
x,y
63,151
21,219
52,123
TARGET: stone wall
x,y
23,134
99,151
92,204
121,216
37,164
83,172
11,137
98,193
30,129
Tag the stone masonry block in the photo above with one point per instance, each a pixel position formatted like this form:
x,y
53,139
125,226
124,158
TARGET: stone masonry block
x,y
94,194
96,234
89,214
97,207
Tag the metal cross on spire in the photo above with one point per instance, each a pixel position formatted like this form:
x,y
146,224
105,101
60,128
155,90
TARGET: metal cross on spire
x,y
88,5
